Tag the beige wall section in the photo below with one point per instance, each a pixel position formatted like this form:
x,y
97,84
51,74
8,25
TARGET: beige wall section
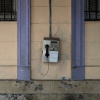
x,y
61,28
92,50
8,50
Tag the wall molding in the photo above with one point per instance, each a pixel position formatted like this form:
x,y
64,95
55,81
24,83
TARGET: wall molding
x,y
23,40
78,66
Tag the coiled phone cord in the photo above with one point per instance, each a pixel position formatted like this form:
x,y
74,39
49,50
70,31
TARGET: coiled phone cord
x,y
47,69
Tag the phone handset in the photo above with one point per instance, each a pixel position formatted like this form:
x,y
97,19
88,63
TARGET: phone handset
x,y
47,50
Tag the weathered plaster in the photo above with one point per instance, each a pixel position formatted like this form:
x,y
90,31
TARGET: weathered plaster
x,y
49,90
56,87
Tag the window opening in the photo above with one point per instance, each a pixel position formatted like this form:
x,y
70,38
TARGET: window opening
x,y
92,10
8,10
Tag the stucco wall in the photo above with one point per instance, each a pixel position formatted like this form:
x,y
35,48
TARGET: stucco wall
x,y
8,50
51,90
92,50
61,28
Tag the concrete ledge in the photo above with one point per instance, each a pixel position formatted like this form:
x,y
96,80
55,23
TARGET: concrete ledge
x,y
49,87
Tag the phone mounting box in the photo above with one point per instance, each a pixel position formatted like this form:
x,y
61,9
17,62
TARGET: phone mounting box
x,y
50,49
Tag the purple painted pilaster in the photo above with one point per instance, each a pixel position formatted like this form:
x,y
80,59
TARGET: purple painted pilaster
x,y
23,22
78,67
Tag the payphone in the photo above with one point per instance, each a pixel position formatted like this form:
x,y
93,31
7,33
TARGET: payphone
x,y
50,49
